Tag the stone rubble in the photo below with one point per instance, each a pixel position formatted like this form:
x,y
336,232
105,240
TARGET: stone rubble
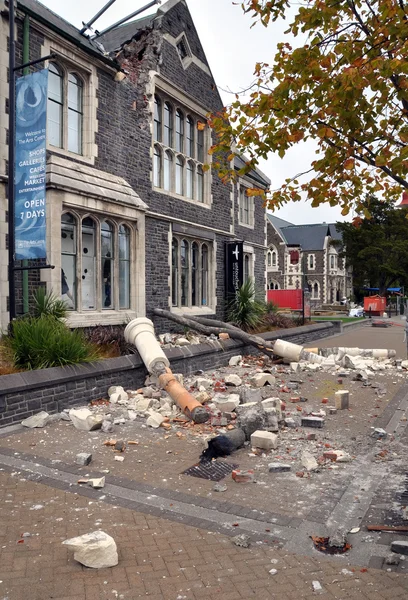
x,y
96,550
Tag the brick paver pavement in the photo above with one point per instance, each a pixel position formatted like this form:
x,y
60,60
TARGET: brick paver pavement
x,y
158,559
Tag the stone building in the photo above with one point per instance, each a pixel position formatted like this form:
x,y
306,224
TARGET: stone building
x,y
136,216
307,255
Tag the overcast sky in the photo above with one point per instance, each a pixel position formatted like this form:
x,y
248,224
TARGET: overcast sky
x,y
232,49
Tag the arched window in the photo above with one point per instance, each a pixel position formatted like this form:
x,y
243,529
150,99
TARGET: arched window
x,y
55,105
174,272
274,261
179,131
88,274
315,290
185,267
124,266
157,167
194,274
168,124
190,137
179,175
200,141
168,168
68,259
157,119
269,258
75,113
204,275
107,263
190,179
200,184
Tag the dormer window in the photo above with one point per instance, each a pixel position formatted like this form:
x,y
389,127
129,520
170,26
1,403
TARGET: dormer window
x,y
183,48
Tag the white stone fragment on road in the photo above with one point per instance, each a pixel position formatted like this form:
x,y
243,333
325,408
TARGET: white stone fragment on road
x,y
155,419
308,461
83,458
316,586
97,483
241,540
84,420
294,366
261,379
96,550
264,440
226,403
273,571
39,420
341,399
233,379
202,382
235,360
119,458
279,467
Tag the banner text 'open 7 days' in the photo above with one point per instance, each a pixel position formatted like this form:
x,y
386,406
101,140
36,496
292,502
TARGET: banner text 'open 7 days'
x,y
30,163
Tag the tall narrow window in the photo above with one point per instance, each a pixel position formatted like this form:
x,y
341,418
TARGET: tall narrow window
x,y
107,264
194,274
179,175
274,258
88,274
55,105
168,124
204,275
174,272
200,184
167,175
246,267
200,142
184,272
75,116
157,167
190,179
157,119
179,131
190,137
124,267
68,260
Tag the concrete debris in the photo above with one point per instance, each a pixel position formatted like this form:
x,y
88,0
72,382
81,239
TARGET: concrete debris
x,y
84,420
241,540
264,440
317,422
308,461
252,417
107,426
379,433
96,550
235,360
392,560
273,571
202,382
39,420
341,399
400,547
182,342
317,586
119,458
261,379
226,403
83,458
279,468
155,419
233,380
220,487
97,483
243,476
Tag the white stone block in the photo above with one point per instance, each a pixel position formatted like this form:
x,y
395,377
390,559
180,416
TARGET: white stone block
x,y
341,399
226,403
235,360
155,420
308,461
96,550
264,440
261,379
39,420
84,420
233,379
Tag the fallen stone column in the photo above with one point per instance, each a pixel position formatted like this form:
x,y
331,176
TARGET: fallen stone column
x,y
295,353
140,333
365,352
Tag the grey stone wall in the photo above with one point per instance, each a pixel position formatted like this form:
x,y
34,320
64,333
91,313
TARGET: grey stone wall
x,y
52,390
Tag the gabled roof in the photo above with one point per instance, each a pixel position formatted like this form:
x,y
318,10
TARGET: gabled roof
x,y
44,15
309,237
255,174
278,223
114,40
335,234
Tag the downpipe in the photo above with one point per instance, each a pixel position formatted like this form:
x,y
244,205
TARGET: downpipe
x,y
140,333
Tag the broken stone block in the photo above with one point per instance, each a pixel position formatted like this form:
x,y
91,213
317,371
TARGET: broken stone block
x,y
182,342
220,487
291,423
117,389
312,422
143,405
251,418
119,458
308,461
294,366
84,420
132,415
202,382
233,379
96,550
392,560
97,483
242,476
155,420
278,467
341,399
203,397
107,426
275,403
83,458
332,410
165,410
248,395
39,420
379,433
264,440
261,379
235,360
226,403
273,424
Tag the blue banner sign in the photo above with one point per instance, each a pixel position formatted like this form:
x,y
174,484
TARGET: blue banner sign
x,y
30,163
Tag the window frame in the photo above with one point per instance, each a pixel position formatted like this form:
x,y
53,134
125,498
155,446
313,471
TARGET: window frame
x,y
97,283
186,143
191,279
246,208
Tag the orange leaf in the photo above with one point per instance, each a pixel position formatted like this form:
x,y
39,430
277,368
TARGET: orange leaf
x,y
349,164
200,126
254,192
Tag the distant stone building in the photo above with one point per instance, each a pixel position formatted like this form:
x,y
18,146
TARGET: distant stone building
x,y
305,255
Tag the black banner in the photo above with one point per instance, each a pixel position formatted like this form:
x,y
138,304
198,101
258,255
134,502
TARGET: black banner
x,y
234,254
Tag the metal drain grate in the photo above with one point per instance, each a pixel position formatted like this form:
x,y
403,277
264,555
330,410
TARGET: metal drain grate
x,y
214,471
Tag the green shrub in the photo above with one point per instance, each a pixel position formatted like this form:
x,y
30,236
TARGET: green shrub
x,y
48,304
246,310
42,342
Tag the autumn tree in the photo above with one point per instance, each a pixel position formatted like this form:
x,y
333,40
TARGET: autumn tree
x,y
346,87
377,248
